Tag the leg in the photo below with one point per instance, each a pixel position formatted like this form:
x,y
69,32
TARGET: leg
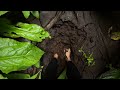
x,y
51,70
72,71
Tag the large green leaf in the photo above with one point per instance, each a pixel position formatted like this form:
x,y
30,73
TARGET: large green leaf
x,y
3,12
15,56
31,32
37,65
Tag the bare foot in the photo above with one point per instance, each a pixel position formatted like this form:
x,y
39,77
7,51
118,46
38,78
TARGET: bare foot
x,y
56,55
68,52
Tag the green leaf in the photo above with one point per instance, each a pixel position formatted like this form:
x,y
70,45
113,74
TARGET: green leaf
x,y
34,76
3,12
37,64
17,76
63,75
31,32
36,14
26,13
15,56
41,68
89,57
23,76
1,77
111,74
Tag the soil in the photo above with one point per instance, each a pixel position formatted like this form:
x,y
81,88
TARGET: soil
x,y
64,35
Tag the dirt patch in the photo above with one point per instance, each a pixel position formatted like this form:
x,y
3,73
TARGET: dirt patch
x,y
64,35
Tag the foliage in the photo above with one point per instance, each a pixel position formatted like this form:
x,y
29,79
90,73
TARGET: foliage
x,y
15,56
2,77
25,13
63,74
37,74
3,12
17,76
115,35
37,65
22,75
31,32
34,13
89,57
111,74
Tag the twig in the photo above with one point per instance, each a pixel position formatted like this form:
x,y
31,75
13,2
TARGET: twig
x,y
54,20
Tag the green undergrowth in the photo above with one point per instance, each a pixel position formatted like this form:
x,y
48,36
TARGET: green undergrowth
x,y
16,55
